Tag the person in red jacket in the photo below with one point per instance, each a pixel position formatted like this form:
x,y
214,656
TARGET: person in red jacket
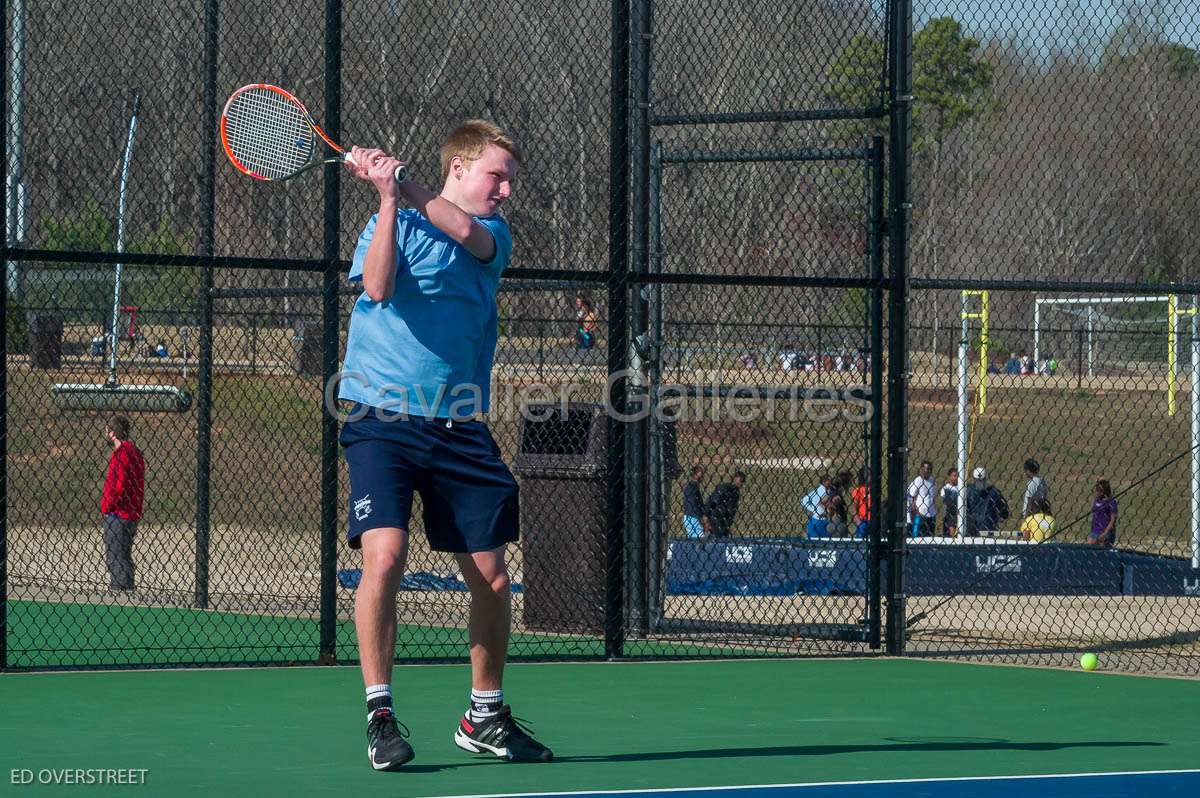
x,y
121,504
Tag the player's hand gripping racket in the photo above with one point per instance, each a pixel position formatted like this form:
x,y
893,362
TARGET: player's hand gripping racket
x,y
269,135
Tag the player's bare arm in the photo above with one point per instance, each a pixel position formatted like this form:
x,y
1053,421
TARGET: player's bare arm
x,y
379,265
450,219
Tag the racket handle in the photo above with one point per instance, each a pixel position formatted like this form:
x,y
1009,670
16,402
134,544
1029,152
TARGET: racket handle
x,y
401,171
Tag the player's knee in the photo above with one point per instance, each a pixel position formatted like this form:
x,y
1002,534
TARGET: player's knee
x,y
385,556
493,586
500,584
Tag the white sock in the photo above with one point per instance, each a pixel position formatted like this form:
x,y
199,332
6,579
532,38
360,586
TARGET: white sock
x,y
484,704
379,696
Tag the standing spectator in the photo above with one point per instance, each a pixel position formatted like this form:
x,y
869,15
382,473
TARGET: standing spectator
x,y
121,502
1104,516
861,498
922,511
693,505
1013,364
824,526
837,526
985,505
814,505
585,322
1035,488
1039,525
950,504
722,506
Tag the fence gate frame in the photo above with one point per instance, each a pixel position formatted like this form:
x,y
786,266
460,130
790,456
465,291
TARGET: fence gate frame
x,y
640,578
649,597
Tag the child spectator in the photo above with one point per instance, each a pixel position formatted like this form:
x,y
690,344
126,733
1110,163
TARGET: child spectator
x,y
922,511
1035,488
1039,525
1104,516
693,505
721,509
814,504
950,504
837,526
861,498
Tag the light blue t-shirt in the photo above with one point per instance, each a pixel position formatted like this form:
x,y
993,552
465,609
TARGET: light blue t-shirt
x,y
812,502
427,351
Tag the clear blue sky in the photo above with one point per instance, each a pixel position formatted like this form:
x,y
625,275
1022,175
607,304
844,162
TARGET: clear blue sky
x,y
1043,24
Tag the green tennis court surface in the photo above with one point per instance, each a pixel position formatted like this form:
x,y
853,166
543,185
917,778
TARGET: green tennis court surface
x,y
627,726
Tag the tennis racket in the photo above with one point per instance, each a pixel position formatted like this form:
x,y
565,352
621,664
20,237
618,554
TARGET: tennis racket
x,y
268,134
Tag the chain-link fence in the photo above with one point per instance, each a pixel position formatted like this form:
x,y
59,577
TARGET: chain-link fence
x,y
767,262
1052,336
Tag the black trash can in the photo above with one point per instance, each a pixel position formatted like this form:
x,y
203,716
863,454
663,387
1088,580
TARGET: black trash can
x,y
561,463
45,341
306,348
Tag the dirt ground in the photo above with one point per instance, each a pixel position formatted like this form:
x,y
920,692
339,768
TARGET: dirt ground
x,y
274,572
250,570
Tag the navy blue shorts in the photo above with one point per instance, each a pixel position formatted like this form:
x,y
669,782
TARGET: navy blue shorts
x,y
468,494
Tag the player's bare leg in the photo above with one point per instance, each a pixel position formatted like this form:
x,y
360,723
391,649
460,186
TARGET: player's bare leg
x,y
385,551
489,725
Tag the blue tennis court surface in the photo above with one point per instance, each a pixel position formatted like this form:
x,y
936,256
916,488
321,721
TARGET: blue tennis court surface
x,y
1077,785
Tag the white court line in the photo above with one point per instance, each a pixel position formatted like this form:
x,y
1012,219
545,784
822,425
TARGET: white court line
x,y
827,784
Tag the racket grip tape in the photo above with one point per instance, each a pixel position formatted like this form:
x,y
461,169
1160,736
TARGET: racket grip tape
x,y
401,171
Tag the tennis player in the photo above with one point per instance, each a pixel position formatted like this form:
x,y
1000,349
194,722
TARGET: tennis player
x,y
417,374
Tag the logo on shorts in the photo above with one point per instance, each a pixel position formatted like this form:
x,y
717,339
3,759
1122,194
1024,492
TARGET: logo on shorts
x,y
362,507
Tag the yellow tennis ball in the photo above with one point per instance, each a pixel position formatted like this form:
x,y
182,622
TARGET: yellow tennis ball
x,y
1089,662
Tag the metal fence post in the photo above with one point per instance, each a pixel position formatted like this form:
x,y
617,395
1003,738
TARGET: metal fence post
x,y
635,431
541,334
618,264
204,394
1080,335
4,177
327,652
875,556
900,73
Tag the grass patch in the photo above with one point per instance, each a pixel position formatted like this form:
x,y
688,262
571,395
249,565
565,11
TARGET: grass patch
x,y
45,634
266,437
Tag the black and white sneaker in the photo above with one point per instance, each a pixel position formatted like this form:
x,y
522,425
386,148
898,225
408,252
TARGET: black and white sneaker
x,y
386,747
502,735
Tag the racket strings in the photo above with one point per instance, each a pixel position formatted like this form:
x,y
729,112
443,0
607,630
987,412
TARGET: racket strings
x,y
268,133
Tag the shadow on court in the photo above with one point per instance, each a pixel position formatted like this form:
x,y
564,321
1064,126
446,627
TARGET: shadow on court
x,y
898,747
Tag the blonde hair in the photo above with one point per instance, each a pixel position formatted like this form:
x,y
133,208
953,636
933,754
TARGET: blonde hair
x,y
470,139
